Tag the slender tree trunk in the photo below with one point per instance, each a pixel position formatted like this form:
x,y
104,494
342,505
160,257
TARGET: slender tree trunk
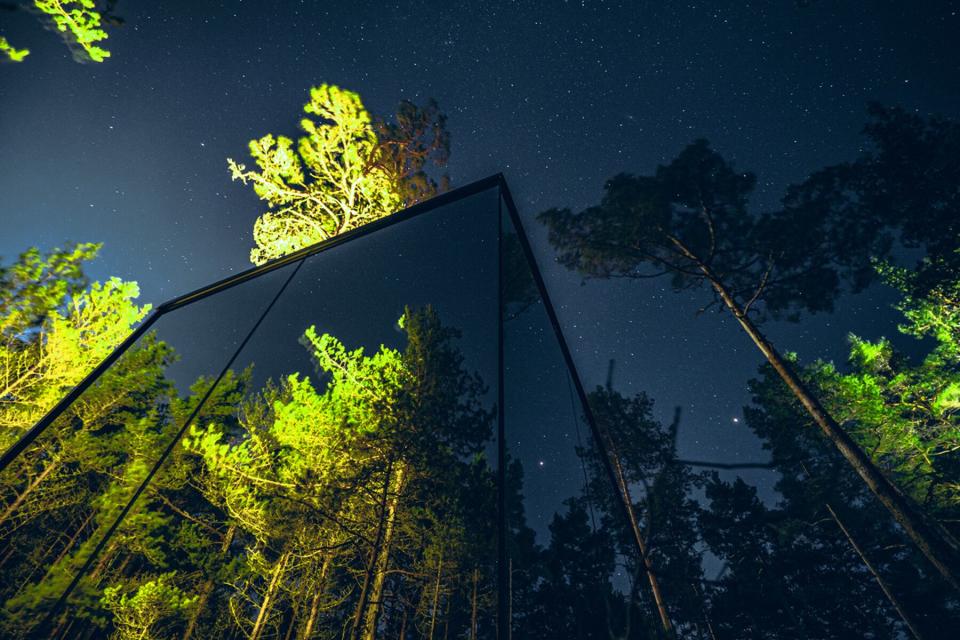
x,y
207,588
291,625
63,627
67,547
473,605
446,618
10,551
21,498
403,625
436,596
509,598
883,584
359,618
267,603
933,543
624,490
105,559
307,630
703,608
382,561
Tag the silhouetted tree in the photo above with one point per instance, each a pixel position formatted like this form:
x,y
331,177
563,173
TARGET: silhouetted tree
x,y
690,220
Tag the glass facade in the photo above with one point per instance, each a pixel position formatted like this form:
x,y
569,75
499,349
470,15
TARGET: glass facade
x,y
388,436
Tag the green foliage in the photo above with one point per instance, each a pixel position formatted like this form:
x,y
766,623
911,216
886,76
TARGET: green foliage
x,y
10,52
346,171
781,555
143,612
906,413
351,473
79,23
53,332
690,221
35,284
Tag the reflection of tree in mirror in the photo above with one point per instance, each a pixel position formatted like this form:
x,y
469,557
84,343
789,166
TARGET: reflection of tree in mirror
x,y
779,560
658,539
359,501
519,288
690,221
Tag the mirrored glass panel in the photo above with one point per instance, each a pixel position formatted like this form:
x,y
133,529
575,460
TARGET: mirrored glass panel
x,y
575,568
66,490
351,480
331,473
755,522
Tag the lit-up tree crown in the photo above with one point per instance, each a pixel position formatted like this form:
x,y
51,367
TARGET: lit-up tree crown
x,y
79,23
340,174
54,330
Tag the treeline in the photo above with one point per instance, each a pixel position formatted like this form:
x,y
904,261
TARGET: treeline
x,y
288,510
359,501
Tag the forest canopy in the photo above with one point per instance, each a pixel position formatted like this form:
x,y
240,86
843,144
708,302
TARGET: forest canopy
x,y
356,496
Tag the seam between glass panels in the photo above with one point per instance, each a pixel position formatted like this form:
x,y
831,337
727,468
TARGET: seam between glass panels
x,y
567,356
41,425
398,217
54,611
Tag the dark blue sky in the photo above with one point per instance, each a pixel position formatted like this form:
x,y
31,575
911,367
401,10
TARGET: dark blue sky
x,y
557,95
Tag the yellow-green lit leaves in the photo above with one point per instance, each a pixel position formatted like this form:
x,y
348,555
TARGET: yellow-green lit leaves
x,y
148,610
79,24
362,389
330,182
11,53
948,401
53,332
905,414
36,284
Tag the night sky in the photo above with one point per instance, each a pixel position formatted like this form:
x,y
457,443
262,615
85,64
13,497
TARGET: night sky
x,y
556,95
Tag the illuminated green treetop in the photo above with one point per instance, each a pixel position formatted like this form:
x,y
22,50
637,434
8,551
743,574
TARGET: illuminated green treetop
x,y
345,171
79,23
10,52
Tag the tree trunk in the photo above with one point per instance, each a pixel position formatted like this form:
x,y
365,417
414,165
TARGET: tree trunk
x,y
267,603
291,625
510,599
883,584
6,556
105,560
473,605
446,618
436,596
307,630
624,490
932,543
403,625
370,575
704,611
382,560
63,626
20,499
207,588
70,543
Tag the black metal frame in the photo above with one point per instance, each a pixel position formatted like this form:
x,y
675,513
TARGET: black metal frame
x,y
222,285
504,199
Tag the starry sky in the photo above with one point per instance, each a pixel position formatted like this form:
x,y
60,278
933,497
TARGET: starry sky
x,y
556,95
